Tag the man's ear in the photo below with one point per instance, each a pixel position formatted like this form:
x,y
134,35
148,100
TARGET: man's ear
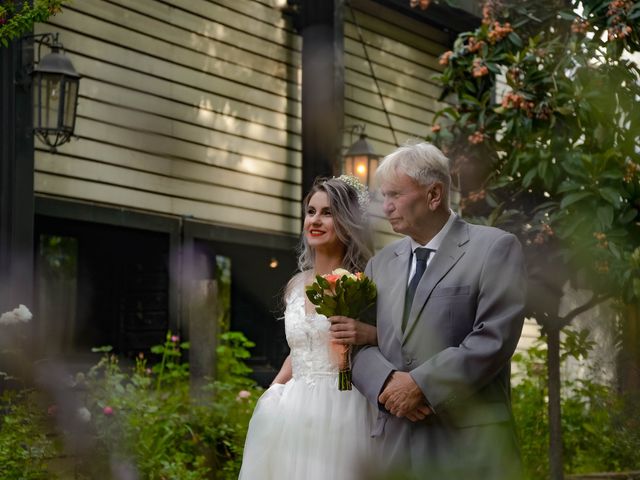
x,y
435,195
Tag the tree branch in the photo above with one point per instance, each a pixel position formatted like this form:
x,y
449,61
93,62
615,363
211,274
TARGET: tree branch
x,y
568,318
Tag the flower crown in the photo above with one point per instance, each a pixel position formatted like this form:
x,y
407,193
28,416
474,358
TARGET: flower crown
x,y
361,190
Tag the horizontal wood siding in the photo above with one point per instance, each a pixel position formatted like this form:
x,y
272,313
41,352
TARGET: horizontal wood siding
x,y
403,58
186,107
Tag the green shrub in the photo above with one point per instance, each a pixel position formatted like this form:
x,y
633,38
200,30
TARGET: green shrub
x,y
598,434
148,418
23,445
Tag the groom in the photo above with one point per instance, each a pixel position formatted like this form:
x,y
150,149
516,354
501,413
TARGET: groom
x,y
449,315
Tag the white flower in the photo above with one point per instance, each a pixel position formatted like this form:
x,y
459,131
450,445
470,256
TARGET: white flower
x,y
83,414
342,272
17,315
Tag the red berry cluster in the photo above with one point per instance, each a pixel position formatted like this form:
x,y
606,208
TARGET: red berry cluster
x,y
479,69
580,25
476,137
498,32
423,4
617,13
445,57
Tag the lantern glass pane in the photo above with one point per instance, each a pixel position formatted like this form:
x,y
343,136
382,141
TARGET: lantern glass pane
x,y
348,165
373,166
71,92
50,96
361,169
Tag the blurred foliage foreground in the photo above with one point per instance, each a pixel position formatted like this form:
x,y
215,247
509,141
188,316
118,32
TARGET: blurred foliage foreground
x,y
137,422
143,420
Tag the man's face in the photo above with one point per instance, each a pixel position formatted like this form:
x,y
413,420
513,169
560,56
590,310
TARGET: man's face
x,y
406,205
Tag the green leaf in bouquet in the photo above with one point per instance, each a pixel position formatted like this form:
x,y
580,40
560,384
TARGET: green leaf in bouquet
x,y
330,302
326,311
314,296
323,282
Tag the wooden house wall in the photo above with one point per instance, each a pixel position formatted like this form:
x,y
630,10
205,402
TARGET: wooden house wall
x,y
192,107
390,63
186,107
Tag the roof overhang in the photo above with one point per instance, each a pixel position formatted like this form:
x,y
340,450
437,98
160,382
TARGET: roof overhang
x,y
466,17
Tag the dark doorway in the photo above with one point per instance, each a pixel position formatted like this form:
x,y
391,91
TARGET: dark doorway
x,y
100,285
258,279
112,284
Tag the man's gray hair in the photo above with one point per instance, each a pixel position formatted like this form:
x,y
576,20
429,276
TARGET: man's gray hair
x,y
423,162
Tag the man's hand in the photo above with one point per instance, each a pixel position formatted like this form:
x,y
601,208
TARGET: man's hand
x,y
419,413
347,331
403,398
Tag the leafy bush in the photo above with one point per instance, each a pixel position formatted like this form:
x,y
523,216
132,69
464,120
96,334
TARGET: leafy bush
x,y
598,433
148,419
23,445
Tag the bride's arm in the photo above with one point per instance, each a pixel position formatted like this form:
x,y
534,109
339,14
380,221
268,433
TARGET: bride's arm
x,y
284,375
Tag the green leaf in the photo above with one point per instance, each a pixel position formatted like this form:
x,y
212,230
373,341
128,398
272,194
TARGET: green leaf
x,y
515,39
605,216
628,216
528,178
564,110
574,167
102,349
323,282
611,195
573,198
614,250
568,186
567,15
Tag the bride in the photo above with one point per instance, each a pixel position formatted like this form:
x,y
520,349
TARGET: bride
x,y
303,427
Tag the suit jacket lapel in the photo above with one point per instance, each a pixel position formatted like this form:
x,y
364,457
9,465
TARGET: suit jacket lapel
x,y
399,269
453,247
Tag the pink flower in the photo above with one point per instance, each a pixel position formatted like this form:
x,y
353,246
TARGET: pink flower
x,y
175,338
243,395
108,411
332,279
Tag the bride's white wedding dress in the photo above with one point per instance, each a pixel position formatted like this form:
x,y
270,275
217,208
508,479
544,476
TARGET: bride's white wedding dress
x,y
307,429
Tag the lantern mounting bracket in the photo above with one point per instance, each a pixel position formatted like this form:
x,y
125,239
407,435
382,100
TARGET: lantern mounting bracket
x,y
49,39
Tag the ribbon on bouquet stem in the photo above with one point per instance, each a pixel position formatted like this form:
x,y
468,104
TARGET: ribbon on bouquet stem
x,y
343,354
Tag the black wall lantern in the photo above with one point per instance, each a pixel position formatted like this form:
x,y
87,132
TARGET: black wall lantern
x,y
55,93
361,160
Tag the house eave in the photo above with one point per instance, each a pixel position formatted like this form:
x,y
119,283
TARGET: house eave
x,y
466,17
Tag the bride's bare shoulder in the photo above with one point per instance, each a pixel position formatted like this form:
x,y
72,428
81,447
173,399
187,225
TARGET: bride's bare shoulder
x,y
299,280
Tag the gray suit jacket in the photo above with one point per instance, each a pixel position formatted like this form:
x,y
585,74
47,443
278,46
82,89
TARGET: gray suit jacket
x,y
462,330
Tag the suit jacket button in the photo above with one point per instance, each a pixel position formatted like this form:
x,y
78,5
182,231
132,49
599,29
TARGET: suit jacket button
x,y
408,361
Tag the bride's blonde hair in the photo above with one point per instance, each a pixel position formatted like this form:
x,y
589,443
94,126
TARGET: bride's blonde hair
x,y
349,221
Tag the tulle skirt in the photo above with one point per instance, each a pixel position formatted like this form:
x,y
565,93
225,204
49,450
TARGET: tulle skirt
x,y
308,430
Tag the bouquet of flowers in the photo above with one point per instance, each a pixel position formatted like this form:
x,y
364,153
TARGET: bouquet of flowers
x,y
346,294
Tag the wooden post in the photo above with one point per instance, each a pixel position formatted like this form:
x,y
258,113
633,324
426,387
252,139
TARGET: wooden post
x,y
203,332
199,299
629,360
16,176
321,26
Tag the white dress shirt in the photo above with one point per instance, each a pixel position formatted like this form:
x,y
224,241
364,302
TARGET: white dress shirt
x,y
434,244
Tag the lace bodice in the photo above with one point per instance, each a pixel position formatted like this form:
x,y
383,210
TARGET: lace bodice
x,y
308,338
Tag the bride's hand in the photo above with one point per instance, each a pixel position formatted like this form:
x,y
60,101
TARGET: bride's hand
x,y
348,331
